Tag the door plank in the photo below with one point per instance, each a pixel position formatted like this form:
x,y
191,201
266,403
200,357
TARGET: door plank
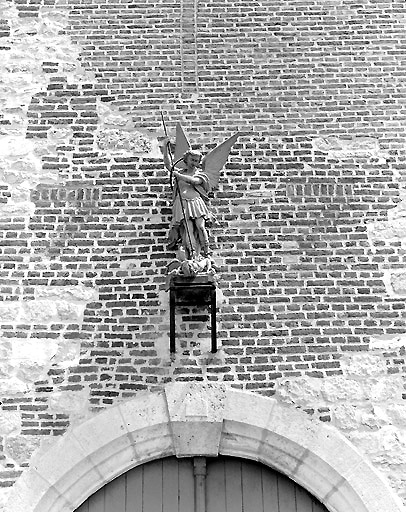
x,y
96,502
115,498
233,490
134,489
170,490
84,507
270,490
286,494
318,507
251,487
215,486
152,488
186,486
304,501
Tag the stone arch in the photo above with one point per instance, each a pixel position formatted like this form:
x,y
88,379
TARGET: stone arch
x,y
188,419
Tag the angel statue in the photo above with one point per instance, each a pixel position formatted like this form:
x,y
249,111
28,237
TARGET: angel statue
x,y
193,177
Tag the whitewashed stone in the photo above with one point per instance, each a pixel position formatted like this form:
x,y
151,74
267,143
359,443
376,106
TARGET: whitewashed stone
x,y
114,140
290,259
59,134
396,282
381,412
22,193
289,245
300,390
24,361
10,311
115,119
388,342
68,293
31,359
57,304
370,420
28,165
346,416
387,230
340,148
25,209
15,146
21,448
10,423
68,353
386,446
69,312
52,21
13,386
386,388
341,388
74,403
399,211
397,481
4,495
25,26
393,442
364,365
397,414
39,311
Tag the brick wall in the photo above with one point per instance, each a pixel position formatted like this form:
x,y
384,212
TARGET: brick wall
x,y
310,233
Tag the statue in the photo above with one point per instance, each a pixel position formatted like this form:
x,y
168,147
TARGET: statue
x,y
192,178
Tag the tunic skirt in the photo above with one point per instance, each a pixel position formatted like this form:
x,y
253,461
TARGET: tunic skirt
x,y
193,208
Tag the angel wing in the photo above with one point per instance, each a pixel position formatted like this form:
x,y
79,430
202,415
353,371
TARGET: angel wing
x,y
182,145
215,160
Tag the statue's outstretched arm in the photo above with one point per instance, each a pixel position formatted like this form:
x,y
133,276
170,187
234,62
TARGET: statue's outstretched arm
x,y
193,180
165,148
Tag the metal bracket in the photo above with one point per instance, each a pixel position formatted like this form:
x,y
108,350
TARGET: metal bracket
x,y
188,291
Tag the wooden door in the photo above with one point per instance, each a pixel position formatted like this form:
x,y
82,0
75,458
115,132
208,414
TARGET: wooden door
x,y
238,485
222,484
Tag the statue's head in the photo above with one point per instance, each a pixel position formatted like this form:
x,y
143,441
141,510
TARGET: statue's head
x,y
192,158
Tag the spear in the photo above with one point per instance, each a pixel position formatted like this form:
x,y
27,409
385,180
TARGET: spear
x,y
177,190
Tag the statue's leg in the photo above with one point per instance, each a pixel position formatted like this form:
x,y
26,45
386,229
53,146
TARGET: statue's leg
x,y
203,235
189,239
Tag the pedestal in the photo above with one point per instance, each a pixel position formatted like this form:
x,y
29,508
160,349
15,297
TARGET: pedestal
x,y
199,290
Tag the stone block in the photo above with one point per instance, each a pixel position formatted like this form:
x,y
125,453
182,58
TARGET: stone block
x,y
153,411
74,403
196,414
344,148
36,494
397,414
67,293
39,311
388,388
337,388
116,140
10,423
364,365
10,311
21,448
305,391
249,409
372,489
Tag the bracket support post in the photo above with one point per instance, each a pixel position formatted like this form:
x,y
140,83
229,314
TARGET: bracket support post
x,y
192,291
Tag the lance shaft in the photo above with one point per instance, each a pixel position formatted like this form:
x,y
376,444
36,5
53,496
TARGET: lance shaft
x,y
177,189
